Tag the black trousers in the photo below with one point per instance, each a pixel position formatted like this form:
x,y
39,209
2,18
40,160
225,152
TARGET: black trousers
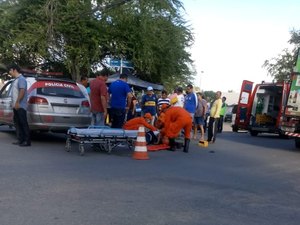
x,y
220,124
150,137
212,129
21,124
117,116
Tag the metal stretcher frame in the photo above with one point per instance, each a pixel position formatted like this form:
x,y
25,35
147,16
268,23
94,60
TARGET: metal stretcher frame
x,y
107,138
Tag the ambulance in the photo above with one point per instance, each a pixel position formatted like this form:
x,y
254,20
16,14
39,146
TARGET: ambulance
x,y
260,108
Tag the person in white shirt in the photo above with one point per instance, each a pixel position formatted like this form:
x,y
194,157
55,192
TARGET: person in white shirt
x,y
180,97
83,87
163,100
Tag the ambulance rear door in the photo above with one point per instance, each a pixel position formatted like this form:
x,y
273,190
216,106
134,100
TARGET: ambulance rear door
x,y
244,107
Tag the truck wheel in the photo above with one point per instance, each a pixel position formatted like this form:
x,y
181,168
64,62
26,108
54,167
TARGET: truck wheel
x,y
297,142
283,136
253,133
235,128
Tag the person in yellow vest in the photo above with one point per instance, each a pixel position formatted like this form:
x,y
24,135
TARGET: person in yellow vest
x,y
214,118
222,114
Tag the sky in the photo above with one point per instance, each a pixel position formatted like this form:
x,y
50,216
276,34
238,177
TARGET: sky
x,y
233,38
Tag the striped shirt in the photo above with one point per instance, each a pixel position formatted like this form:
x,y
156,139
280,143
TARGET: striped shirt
x,y
163,101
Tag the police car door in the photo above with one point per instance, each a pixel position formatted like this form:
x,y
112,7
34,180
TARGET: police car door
x,y
6,111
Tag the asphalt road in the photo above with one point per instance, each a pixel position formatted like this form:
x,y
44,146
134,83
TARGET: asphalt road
x,y
239,180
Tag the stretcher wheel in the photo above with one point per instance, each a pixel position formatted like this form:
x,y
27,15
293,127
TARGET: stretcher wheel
x,y
81,149
68,145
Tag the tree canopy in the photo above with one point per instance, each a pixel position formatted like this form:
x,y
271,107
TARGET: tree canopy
x,y
76,36
281,67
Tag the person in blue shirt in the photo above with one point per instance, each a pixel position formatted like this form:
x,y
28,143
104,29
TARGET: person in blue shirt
x,y
149,103
119,101
190,100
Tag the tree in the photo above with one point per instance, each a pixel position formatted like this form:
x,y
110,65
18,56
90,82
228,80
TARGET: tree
x,y
77,35
210,95
281,67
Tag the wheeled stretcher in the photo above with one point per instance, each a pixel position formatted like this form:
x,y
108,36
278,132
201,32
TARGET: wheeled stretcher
x,y
104,137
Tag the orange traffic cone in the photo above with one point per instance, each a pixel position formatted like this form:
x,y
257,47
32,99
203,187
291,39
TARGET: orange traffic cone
x,y
140,149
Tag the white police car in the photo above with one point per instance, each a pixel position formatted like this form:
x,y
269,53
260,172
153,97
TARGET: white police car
x,y
54,104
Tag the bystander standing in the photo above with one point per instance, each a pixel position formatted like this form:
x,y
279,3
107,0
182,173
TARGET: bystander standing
x,y
180,97
200,116
163,99
214,118
84,87
99,98
19,104
222,114
149,102
132,108
119,101
190,100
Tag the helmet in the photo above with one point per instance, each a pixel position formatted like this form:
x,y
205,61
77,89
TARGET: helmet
x,y
148,116
173,100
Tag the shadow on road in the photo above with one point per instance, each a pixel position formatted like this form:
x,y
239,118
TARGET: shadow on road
x,y
273,141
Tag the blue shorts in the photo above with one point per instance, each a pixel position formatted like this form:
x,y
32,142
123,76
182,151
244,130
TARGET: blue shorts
x,y
199,120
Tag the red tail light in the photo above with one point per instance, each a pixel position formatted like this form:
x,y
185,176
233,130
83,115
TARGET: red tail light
x,y
37,100
85,104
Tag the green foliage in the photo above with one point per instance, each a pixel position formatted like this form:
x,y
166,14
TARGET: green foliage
x,y
210,95
77,35
281,67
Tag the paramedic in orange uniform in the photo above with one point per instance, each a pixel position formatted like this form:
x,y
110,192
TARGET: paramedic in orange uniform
x,y
135,123
159,124
177,118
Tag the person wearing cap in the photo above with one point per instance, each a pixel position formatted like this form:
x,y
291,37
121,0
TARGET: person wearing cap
x,y
160,122
173,98
176,119
145,121
149,102
135,123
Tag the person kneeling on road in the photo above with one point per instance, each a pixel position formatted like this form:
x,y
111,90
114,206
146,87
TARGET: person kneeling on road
x,y
177,118
145,121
